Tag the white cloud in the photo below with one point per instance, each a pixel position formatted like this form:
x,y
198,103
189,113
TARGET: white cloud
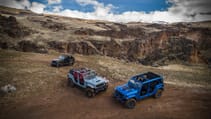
x,y
89,2
100,12
191,10
19,4
57,8
37,7
100,8
24,4
54,1
180,11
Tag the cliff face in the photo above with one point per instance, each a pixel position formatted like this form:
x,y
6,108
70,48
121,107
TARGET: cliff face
x,y
149,44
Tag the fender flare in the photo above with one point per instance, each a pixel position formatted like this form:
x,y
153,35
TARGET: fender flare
x,y
90,86
131,96
70,77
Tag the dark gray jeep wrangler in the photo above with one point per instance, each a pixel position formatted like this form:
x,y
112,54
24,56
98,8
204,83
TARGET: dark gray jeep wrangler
x,y
63,60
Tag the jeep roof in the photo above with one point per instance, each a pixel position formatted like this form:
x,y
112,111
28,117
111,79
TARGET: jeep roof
x,y
86,73
63,56
145,77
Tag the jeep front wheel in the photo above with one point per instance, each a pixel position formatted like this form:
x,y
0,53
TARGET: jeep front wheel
x,y
89,92
106,87
158,93
72,61
131,103
58,65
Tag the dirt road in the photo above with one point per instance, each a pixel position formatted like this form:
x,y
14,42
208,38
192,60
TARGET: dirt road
x,y
176,103
62,102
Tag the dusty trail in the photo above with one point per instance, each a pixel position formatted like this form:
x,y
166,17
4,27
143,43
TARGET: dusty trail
x,y
176,103
57,101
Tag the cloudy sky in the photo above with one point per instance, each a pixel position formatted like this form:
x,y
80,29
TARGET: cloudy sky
x,y
120,10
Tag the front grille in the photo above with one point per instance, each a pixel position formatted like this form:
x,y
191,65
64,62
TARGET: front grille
x,y
118,94
54,62
99,85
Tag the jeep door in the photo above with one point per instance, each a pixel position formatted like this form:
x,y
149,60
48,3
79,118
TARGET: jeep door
x,y
152,86
144,91
67,60
81,79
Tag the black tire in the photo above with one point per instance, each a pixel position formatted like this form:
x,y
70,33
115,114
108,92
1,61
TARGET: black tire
x,y
58,65
106,87
71,83
72,61
113,95
90,92
158,93
130,104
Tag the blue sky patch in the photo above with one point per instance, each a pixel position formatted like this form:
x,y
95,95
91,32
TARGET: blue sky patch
x,y
120,5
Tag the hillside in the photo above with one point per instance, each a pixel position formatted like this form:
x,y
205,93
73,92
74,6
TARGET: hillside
x,y
148,44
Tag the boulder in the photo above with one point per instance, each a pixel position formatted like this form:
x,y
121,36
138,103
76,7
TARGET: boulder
x,y
8,89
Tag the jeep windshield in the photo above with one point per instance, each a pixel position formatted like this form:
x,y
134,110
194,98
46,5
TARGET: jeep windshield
x,y
132,83
61,57
90,75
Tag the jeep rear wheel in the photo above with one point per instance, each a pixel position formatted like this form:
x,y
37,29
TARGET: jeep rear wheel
x,y
158,93
89,92
131,103
71,83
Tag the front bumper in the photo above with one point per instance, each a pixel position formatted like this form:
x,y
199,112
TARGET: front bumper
x,y
119,97
54,64
101,88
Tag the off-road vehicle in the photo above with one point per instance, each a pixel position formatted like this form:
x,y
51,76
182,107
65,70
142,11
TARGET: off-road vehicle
x,y
88,80
63,60
139,87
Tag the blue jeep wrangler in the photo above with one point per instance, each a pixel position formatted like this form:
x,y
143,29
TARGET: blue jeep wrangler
x,y
88,80
139,87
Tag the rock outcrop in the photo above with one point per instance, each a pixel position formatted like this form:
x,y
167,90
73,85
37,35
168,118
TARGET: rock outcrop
x,y
10,26
30,46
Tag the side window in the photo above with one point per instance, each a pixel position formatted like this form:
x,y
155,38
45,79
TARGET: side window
x,y
144,89
67,59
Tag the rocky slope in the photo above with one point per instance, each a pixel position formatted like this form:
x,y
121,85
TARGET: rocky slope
x,y
149,44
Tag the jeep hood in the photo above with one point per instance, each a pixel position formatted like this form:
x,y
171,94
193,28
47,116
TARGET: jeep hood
x,y
126,90
97,80
56,60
